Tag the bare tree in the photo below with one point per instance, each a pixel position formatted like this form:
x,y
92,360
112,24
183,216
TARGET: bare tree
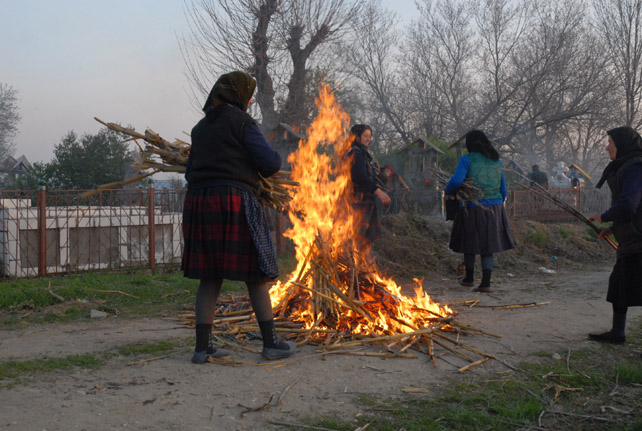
x,y
9,119
273,40
620,24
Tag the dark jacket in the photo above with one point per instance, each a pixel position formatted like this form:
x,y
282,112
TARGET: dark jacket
x,y
220,153
626,208
362,172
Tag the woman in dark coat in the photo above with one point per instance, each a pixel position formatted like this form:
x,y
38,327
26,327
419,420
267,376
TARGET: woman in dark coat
x,y
224,228
624,177
480,227
366,185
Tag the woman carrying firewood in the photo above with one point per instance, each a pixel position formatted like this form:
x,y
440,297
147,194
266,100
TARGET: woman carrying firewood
x,y
366,185
225,230
481,226
624,177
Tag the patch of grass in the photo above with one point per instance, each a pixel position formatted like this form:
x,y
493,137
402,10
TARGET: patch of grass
x,y
13,372
629,373
537,238
579,384
147,349
565,232
15,369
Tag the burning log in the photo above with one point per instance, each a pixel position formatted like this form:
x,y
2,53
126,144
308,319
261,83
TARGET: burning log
x,y
160,155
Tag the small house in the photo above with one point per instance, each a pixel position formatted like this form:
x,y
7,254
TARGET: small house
x,y
420,156
285,140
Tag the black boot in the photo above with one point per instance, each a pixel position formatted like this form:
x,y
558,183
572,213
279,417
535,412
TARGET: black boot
x,y
273,348
204,348
616,334
469,279
484,286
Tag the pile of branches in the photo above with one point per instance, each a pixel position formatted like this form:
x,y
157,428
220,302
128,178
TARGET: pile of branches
x,y
160,155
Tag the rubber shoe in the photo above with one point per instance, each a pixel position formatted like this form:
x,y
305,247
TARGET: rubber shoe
x,y
463,282
199,357
607,337
211,352
285,349
218,353
483,290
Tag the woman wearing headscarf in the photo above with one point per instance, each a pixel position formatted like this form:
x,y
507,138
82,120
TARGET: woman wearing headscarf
x,y
365,183
624,177
225,231
480,227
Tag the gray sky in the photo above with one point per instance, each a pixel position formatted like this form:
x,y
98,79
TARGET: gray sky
x,y
118,60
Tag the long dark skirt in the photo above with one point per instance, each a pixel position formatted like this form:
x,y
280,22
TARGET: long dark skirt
x,y
625,282
219,243
481,230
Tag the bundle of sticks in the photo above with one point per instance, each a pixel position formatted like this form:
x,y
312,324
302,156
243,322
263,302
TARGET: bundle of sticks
x,y
351,310
160,155
467,191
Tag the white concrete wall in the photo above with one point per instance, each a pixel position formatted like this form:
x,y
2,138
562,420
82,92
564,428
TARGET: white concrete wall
x,y
84,238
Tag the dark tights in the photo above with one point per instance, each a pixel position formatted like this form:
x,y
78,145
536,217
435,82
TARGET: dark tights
x,y
619,320
205,308
207,295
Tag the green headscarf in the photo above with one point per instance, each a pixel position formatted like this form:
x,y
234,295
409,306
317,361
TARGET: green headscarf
x,y
235,87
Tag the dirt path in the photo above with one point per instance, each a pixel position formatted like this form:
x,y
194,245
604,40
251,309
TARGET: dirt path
x,y
173,394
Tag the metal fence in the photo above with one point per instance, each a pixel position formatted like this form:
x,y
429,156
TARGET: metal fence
x,y
55,232
527,204
52,232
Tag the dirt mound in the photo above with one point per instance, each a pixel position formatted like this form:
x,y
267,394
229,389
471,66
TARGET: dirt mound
x,y
415,245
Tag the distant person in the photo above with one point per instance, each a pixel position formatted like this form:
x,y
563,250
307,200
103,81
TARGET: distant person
x,y
538,177
365,183
226,235
624,177
395,186
484,229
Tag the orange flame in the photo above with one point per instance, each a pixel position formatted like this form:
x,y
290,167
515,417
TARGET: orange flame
x,y
321,213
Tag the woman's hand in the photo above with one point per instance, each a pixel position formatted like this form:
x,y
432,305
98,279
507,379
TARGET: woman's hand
x,y
383,196
603,233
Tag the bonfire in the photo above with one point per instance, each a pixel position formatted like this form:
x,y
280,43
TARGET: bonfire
x,y
337,297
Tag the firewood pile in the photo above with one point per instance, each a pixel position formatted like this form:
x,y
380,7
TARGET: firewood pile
x,y
342,307
160,155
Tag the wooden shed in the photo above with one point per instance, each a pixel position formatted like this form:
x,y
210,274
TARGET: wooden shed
x,y
285,140
420,156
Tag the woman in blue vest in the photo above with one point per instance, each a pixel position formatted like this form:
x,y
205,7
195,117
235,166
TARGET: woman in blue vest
x,y
480,227
624,177
224,228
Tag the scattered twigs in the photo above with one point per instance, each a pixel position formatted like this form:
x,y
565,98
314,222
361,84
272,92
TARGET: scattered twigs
x,y
474,364
513,306
120,292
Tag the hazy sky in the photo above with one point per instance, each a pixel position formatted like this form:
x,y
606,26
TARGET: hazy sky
x,y
118,60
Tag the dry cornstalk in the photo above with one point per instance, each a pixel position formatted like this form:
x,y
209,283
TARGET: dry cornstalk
x,y
160,155
474,364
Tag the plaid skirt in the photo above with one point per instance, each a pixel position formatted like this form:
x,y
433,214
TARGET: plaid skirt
x,y
625,282
226,236
481,230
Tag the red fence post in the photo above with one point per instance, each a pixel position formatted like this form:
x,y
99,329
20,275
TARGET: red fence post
x,y
152,229
41,201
